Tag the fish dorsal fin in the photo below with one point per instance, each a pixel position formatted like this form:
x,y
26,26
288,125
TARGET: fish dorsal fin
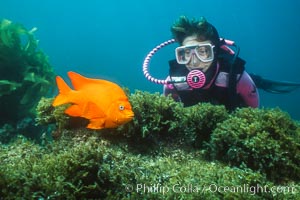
x,y
79,81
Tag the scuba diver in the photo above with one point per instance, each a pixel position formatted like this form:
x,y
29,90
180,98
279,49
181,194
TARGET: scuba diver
x,y
207,68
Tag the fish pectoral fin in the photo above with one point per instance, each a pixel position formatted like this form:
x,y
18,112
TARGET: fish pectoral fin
x,y
96,124
92,111
74,111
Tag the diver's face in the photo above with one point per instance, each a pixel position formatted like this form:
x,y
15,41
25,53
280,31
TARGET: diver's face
x,y
196,63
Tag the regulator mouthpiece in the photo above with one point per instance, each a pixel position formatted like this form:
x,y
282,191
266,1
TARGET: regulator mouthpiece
x,y
196,79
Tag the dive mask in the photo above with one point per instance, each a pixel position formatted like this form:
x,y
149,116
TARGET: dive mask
x,y
203,52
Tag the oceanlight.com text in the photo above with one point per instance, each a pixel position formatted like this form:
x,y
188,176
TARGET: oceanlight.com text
x,y
212,188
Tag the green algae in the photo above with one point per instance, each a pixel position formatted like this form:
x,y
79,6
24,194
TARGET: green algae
x,y
265,140
25,73
167,145
47,114
6,87
91,167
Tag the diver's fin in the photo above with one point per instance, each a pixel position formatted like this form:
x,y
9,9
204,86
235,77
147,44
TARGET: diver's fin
x,y
276,87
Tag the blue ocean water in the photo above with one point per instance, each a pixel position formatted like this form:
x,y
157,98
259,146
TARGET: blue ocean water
x,y
110,39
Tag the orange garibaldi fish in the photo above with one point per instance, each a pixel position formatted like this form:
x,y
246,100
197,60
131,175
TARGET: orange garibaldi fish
x,y
102,102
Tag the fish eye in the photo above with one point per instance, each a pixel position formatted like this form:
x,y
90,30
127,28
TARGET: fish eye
x,y
121,107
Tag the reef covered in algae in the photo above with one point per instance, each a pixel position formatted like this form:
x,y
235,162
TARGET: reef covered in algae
x,y
25,76
166,152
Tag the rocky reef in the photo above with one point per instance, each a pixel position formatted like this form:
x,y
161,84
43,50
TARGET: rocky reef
x,y
167,152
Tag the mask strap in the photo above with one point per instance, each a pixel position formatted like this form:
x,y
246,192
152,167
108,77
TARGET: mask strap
x,y
147,60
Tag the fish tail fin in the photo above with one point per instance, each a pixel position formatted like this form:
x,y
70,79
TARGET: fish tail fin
x,y
64,91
